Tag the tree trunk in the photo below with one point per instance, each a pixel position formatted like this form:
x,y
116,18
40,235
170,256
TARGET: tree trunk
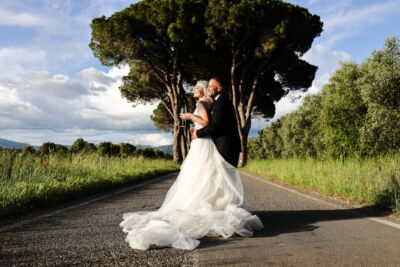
x,y
243,154
188,141
244,135
176,148
182,143
243,113
177,135
181,136
185,142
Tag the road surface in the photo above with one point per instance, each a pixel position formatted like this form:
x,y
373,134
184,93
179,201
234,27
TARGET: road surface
x,y
301,229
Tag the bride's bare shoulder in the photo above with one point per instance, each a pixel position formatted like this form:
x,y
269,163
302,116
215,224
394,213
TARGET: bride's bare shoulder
x,y
206,103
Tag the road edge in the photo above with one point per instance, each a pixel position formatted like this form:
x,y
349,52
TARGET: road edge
x,y
320,199
14,223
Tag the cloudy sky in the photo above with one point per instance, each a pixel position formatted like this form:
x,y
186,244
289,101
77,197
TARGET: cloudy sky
x,y
52,88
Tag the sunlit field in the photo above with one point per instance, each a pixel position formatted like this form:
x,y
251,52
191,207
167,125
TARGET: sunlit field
x,y
29,181
368,181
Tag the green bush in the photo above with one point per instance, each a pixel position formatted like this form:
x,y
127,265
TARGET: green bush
x,y
370,181
30,181
357,114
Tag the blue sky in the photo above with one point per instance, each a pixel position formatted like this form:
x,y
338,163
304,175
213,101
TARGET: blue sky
x,y
52,88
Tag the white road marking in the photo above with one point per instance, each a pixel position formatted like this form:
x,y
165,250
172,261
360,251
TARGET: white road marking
x,y
45,215
263,180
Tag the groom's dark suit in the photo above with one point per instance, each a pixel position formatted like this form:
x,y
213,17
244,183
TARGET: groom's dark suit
x,y
223,129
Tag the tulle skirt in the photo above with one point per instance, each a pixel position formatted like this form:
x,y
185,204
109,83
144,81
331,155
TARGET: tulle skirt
x,y
205,200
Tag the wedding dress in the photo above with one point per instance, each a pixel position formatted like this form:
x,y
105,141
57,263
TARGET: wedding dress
x,y
205,200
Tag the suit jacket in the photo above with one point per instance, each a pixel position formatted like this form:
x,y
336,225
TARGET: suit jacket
x,y
223,129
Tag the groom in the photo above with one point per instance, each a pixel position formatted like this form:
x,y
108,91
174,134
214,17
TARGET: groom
x,y
223,126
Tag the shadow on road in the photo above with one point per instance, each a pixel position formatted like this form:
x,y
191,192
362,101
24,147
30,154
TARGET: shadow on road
x,y
289,221
279,222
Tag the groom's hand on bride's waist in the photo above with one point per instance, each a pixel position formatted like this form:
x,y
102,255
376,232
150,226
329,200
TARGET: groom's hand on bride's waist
x,y
193,133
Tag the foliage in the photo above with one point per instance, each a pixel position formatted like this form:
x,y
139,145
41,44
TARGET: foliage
x,y
370,181
164,44
108,149
171,43
380,83
343,112
163,120
146,152
29,181
83,147
268,144
50,148
301,135
89,147
357,114
266,39
28,150
126,149
80,145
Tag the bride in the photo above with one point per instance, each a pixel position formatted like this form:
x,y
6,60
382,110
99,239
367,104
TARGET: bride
x,y
204,200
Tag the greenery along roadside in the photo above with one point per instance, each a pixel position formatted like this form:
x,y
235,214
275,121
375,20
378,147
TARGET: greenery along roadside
x,y
30,181
368,181
344,140
356,114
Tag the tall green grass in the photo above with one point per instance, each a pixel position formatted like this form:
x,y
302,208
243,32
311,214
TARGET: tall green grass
x,y
368,181
29,181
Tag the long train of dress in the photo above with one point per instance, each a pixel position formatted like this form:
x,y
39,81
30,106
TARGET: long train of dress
x,y
205,199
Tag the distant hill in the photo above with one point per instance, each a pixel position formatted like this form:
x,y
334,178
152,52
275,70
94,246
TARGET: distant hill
x,y
16,145
11,144
165,149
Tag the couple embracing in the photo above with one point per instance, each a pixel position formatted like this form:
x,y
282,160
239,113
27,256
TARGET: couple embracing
x,y
206,198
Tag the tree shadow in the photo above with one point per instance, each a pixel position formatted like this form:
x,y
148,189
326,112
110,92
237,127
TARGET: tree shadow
x,y
291,221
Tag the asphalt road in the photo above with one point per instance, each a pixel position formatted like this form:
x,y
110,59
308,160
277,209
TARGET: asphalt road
x,y
301,229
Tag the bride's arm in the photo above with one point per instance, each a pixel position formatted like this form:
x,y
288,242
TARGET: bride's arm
x,y
202,118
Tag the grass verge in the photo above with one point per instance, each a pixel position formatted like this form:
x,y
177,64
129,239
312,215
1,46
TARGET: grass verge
x,y
30,182
368,181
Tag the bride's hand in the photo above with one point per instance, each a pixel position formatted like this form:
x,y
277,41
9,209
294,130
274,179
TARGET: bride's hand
x,y
194,133
186,116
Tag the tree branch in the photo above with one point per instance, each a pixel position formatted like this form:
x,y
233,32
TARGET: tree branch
x,y
168,108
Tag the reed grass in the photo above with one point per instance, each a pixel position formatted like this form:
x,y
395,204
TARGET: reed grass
x,y
29,182
365,181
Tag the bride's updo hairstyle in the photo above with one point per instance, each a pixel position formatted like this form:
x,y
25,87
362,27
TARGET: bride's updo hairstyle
x,y
204,84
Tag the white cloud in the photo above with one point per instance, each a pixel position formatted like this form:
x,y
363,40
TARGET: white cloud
x,y
96,77
327,61
287,104
10,18
361,17
46,101
13,110
45,83
15,61
313,2
51,88
152,139
325,7
60,44
345,22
